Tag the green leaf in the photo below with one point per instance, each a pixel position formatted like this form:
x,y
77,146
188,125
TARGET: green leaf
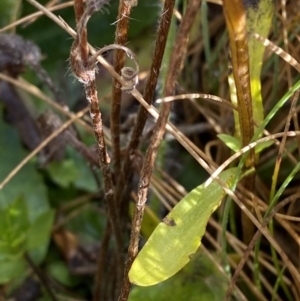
x,y
231,142
199,280
178,237
11,269
13,229
85,179
63,173
261,146
235,145
60,272
88,225
39,232
28,182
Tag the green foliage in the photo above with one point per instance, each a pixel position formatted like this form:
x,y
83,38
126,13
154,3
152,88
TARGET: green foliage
x,y
9,11
63,173
235,145
230,142
28,182
85,179
18,235
12,269
39,232
14,225
60,272
88,225
25,216
178,237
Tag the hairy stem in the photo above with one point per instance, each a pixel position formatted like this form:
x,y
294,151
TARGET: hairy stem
x,y
119,59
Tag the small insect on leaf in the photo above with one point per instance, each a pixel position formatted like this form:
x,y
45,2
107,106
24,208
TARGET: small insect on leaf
x,y
179,235
169,222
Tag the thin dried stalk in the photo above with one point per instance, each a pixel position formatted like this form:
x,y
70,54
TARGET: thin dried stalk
x,y
161,40
119,59
84,68
178,53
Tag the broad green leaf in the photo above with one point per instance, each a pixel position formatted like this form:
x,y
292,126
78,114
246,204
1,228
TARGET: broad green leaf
x,y
63,173
28,183
11,269
231,142
39,232
199,280
13,229
178,237
85,179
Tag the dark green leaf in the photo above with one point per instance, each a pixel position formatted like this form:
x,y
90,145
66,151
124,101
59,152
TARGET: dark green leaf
x,y
39,232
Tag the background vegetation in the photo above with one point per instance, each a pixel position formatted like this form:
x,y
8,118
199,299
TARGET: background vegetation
x,y
56,242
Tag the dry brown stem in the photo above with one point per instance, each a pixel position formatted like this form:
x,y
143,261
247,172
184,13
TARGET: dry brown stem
x,y
159,130
161,40
84,68
119,60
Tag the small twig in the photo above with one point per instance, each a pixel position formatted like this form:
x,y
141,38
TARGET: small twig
x,y
172,74
48,5
214,98
41,277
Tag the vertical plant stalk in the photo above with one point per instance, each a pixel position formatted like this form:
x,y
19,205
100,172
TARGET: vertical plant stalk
x,y
119,59
85,71
237,31
235,17
178,53
161,40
